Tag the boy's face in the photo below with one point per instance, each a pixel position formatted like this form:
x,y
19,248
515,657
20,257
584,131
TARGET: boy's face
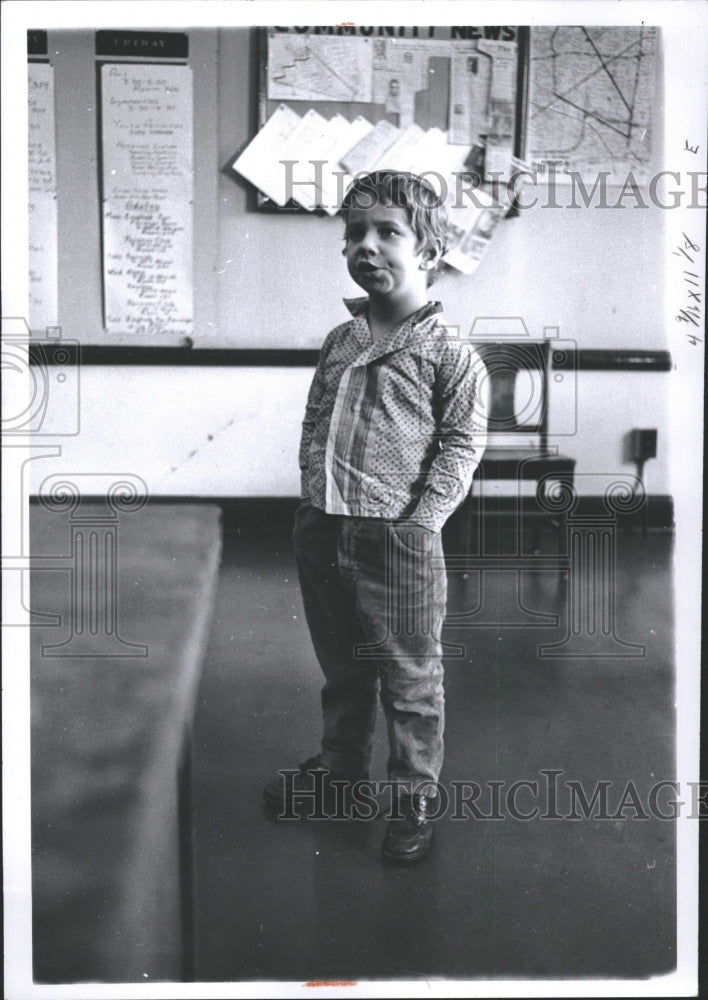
x,y
383,255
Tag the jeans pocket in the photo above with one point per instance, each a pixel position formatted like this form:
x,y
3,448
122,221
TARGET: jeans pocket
x,y
412,537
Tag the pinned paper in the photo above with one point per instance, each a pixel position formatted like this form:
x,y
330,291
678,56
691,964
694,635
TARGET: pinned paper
x,y
401,155
309,174
335,180
472,229
259,161
291,176
371,148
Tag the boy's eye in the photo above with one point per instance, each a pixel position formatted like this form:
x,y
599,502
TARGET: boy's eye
x,y
385,232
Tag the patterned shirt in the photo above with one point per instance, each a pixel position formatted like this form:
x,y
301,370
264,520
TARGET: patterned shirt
x,y
394,428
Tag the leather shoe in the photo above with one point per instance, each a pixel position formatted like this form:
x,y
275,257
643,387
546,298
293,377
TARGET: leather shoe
x,y
313,789
408,839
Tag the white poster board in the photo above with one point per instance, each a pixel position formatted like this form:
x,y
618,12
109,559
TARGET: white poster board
x,y
147,160
42,200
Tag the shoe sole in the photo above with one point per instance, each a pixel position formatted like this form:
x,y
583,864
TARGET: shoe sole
x,y
302,807
405,859
303,799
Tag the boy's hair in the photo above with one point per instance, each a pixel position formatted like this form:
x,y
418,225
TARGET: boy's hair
x,y
424,208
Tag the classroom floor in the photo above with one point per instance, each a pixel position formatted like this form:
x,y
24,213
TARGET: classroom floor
x,y
551,898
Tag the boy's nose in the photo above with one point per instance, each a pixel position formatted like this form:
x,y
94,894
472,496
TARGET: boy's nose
x,y
368,242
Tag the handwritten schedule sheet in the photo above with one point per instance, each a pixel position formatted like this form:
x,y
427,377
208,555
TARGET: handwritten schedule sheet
x,y
147,146
42,203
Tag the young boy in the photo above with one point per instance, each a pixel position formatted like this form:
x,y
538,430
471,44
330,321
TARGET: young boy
x,y
391,437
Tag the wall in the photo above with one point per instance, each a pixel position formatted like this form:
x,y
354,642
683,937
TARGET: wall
x,y
597,274
551,266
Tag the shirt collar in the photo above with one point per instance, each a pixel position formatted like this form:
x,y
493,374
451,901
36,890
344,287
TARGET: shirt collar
x,y
394,339
359,307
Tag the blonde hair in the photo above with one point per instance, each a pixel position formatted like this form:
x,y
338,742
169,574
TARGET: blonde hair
x,y
424,207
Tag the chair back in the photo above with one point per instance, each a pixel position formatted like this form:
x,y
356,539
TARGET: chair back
x,y
517,388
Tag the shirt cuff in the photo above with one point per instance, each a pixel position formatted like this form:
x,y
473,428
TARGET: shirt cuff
x,y
426,520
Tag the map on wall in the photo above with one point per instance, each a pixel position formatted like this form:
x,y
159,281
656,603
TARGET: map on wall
x,y
591,100
319,69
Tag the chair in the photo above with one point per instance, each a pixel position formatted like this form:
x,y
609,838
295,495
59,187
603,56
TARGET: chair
x,y
517,419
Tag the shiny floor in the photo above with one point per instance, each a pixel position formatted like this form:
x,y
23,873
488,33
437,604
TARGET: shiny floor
x,y
536,693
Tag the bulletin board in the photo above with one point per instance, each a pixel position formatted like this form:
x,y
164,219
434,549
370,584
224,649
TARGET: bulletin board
x,y
468,82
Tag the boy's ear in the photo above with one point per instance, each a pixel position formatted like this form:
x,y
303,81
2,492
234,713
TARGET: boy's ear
x,y
432,253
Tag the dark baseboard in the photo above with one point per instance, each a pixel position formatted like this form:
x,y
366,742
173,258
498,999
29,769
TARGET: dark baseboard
x,y
274,512
268,513
50,352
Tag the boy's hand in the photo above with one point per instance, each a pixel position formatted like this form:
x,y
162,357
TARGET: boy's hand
x,y
408,522
412,536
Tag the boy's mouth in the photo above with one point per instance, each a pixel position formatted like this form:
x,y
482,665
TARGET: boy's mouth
x,y
366,267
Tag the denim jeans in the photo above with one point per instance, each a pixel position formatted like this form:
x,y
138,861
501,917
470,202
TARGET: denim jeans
x,y
374,593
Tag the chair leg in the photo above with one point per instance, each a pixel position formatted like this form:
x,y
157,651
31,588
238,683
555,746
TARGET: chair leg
x,y
535,535
464,532
537,522
560,516
470,515
561,533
